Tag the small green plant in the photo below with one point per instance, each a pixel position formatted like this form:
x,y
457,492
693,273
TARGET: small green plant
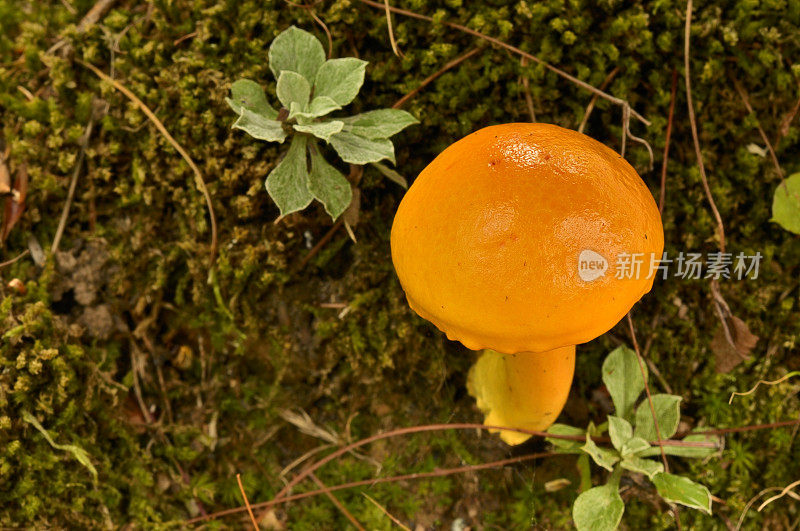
x,y
310,87
630,429
786,204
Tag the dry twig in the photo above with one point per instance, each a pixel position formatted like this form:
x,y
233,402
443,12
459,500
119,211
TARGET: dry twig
x,y
526,85
393,518
589,108
376,481
336,502
665,160
163,130
693,123
664,460
627,110
15,259
392,41
247,502
62,223
431,78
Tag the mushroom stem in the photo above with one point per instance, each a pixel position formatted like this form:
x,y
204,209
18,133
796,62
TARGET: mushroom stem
x,y
524,390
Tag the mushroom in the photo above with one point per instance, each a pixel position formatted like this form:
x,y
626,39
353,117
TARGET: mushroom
x,y
506,242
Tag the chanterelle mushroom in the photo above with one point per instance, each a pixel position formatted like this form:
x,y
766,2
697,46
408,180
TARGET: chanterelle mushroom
x,y
526,238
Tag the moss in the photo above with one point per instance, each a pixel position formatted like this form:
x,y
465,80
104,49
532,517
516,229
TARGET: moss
x,y
233,352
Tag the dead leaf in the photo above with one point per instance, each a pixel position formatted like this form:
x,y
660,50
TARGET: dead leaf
x,y
730,355
353,212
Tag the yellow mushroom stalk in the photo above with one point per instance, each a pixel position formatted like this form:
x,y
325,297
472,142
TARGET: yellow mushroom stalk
x,y
526,240
525,390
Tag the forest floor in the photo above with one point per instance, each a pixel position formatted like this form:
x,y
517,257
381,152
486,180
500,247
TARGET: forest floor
x,y
175,365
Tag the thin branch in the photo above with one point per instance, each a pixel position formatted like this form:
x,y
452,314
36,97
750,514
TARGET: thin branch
x,y
746,101
431,78
693,123
517,51
247,502
753,427
310,10
393,518
665,160
320,244
783,493
393,42
764,382
527,89
752,501
336,502
62,223
160,126
438,427
376,481
664,460
589,108
17,258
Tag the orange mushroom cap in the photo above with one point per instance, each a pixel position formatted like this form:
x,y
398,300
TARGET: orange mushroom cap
x,y
488,241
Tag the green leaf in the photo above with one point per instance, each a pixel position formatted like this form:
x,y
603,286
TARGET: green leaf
x,y
298,51
260,127
679,489
293,89
598,509
322,130
668,414
620,431
786,204
602,456
623,379
381,123
77,452
391,174
340,79
565,445
689,451
359,150
648,467
328,185
634,446
246,94
287,184
319,106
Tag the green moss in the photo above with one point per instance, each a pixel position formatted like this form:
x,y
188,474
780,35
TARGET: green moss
x,y
233,352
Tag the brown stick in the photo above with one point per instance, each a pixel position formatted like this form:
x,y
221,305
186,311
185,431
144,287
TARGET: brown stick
x,y
675,510
320,244
431,78
376,481
527,89
163,130
746,101
665,160
15,259
62,223
754,427
693,123
336,502
393,42
437,427
517,51
247,502
589,108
